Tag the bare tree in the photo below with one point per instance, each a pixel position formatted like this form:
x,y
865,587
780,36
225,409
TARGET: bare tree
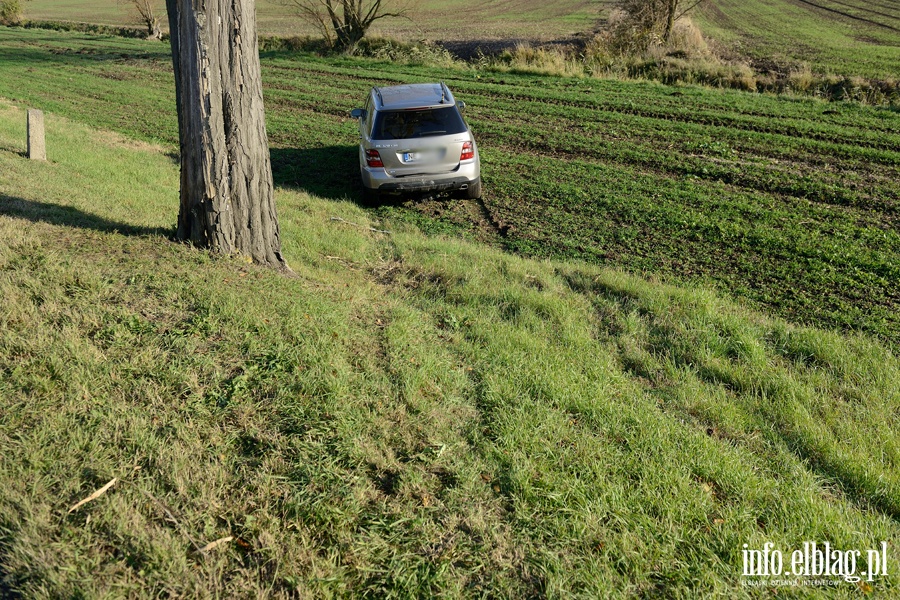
x,y
343,23
146,15
656,17
227,195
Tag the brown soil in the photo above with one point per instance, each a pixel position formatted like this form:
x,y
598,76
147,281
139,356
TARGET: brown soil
x,y
469,50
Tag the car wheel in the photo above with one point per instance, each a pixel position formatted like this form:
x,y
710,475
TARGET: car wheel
x,y
473,192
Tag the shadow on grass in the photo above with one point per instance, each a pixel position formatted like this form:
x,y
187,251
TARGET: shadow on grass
x,y
8,580
75,56
55,214
7,592
329,172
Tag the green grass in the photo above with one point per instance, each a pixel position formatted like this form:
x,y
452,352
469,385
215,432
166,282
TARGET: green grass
x,y
855,37
408,416
789,204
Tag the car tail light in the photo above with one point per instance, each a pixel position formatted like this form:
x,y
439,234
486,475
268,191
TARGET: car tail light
x,y
373,159
468,151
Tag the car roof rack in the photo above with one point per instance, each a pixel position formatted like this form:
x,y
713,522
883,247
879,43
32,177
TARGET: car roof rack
x,y
378,93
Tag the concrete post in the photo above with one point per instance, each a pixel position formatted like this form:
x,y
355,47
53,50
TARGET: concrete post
x,y
37,149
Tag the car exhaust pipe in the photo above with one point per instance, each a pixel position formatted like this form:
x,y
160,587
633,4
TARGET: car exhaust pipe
x,y
464,186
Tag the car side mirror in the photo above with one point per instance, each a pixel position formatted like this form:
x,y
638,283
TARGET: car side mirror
x,y
461,105
358,113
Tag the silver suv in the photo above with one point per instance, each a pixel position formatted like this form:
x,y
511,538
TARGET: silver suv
x,y
413,138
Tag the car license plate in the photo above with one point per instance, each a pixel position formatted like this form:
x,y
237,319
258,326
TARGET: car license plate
x,y
412,157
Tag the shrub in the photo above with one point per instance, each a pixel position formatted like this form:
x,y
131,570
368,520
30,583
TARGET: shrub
x,y
92,28
622,36
10,12
559,61
801,79
268,43
420,53
687,39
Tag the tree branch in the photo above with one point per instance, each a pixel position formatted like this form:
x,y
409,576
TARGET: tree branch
x,y
690,8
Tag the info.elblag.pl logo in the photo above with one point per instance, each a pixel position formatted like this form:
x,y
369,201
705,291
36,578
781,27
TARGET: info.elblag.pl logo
x,y
814,564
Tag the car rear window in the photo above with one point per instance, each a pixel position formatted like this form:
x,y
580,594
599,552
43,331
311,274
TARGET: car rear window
x,y
404,124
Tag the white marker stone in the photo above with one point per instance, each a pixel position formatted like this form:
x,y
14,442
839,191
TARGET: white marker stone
x,y
37,149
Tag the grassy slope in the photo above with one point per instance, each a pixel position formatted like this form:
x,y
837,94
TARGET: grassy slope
x,y
788,31
788,203
408,416
432,19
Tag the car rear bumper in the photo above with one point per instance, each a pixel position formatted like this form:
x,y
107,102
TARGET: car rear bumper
x,y
465,175
426,185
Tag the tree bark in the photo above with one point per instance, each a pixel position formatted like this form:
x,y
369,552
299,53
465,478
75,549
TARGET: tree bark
x,y
227,193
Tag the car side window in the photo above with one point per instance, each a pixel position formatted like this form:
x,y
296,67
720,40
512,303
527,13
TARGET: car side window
x,y
369,117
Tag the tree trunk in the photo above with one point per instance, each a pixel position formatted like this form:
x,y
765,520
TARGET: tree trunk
x,y
153,30
671,7
227,195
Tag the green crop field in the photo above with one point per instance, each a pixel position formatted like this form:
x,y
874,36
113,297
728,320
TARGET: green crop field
x,y
429,19
848,37
789,204
274,18
845,37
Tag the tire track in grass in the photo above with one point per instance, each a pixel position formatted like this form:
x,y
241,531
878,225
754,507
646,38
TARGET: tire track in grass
x,y
867,10
847,15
